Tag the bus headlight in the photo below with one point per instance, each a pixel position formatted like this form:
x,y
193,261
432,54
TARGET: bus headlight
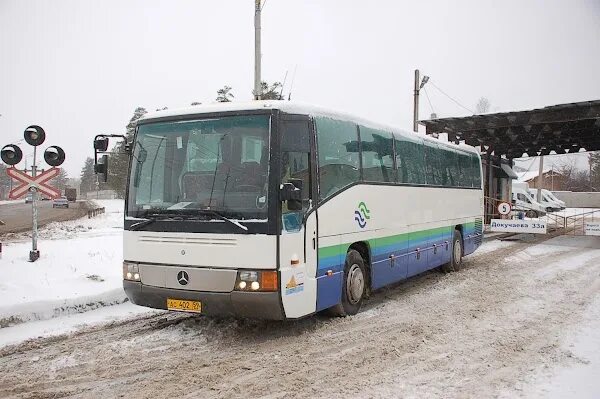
x,y
256,281
131,271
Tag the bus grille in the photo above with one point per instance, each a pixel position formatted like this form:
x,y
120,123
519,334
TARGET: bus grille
x,y
208,241
478,231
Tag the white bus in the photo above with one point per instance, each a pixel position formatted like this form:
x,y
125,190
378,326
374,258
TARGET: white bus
x,y
277,210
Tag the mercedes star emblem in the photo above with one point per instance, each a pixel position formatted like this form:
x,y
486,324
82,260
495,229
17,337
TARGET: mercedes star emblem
x,y
183,278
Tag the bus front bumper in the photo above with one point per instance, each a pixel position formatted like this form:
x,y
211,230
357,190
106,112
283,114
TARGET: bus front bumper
x,y
256,305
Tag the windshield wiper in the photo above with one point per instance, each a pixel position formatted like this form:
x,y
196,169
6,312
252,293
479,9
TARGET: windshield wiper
x,y
139,225
174,215
218,215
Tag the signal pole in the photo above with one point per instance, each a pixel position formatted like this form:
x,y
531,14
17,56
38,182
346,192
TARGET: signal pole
x,y
34,254
257,81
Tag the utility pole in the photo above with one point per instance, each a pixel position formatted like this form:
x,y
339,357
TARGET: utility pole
x,y
418,86
540,179
416,101
257,55
590,164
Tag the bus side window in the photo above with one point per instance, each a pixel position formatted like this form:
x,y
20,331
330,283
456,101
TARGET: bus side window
x,y
476,171
377,155
339,164
410,160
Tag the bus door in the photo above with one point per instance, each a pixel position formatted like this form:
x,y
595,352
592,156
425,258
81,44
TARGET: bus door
x,y
298,235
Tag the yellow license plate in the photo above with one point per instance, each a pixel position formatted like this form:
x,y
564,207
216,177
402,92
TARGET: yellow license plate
x,y
184,306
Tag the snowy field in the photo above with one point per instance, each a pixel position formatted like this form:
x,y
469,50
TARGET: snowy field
x,y
79,268
520,320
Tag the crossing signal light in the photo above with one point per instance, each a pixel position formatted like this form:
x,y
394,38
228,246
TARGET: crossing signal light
x,y
35,135
54,155
101,168
11,154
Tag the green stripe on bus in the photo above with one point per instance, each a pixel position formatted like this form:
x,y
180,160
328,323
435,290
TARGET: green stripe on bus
x,y
336,250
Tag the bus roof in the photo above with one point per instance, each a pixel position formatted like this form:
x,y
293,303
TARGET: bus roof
x,y
293,108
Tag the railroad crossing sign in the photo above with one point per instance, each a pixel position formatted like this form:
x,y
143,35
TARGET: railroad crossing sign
x,y
38,182
504,208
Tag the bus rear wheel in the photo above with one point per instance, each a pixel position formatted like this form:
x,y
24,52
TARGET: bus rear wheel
x,y
456,256
353,286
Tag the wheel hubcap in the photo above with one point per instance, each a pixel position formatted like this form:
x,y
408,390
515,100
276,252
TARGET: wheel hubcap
x,y
355,284
457,252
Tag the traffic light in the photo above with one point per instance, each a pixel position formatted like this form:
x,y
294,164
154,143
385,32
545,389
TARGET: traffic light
x,y
54,155
11,154
34,135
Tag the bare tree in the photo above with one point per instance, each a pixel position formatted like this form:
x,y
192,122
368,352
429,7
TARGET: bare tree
x,y
574,179
483,105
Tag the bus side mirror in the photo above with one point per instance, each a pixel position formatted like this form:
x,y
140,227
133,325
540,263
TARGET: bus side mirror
x,y
292,193
101,168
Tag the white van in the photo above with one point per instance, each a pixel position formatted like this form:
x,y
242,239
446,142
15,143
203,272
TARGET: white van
x,y
550,204
523,201
550,194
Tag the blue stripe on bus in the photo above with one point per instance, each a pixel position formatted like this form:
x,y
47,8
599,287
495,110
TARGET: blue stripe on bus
x,y
405,260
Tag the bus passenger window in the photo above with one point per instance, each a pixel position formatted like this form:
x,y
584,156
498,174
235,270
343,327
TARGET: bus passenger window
x,y
338,155
377,155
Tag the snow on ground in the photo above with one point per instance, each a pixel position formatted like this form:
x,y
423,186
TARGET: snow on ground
x,y
79,268
69,323
579,379
3,202
492,245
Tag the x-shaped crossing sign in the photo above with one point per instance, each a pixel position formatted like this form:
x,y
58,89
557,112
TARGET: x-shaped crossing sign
x,y
28,181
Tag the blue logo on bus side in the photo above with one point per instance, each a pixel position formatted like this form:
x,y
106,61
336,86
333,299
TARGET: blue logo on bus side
x,y
361,215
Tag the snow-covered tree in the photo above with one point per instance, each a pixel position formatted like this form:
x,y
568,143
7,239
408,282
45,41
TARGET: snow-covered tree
x,y
271,92
88,177
119,160
4,182
483,106
224,95
60,181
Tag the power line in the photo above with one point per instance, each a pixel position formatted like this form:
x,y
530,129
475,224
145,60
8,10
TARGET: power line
x,y
428,100
447,95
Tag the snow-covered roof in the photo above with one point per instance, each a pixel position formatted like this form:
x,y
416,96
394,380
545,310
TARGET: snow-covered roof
x,y
526,176
289,107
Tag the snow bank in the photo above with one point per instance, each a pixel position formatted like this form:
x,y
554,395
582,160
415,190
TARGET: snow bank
x,y
79,268
70,323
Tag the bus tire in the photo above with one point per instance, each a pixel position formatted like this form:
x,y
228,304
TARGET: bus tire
x,y
531,214
353,285
456,254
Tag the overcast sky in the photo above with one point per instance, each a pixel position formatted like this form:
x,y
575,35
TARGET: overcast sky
x,y
79,68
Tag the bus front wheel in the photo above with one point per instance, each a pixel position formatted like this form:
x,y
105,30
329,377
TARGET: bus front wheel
x,y
353,285
456,256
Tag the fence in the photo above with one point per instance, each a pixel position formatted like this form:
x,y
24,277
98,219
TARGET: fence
x,y
572,222
95,212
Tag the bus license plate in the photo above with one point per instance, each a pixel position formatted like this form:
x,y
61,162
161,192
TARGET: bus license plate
x,y
184,306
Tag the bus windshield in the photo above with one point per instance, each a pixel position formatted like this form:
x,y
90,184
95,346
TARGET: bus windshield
x,y
218,165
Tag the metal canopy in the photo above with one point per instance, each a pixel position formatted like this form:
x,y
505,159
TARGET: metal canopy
x,y
564,129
